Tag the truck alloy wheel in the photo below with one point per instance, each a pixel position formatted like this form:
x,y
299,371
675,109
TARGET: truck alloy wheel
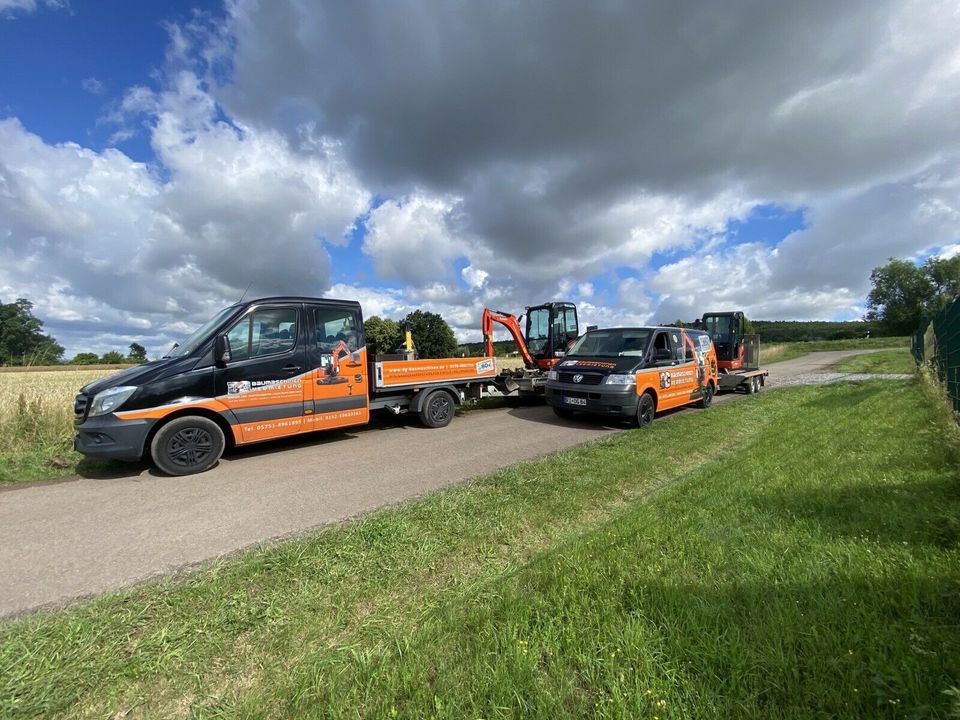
x,y
187,445
438,409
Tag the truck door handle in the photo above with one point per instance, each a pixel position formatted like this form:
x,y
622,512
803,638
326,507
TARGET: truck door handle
x,y
290,369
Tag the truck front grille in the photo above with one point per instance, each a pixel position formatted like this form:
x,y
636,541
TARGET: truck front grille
x,y
81,406
588,378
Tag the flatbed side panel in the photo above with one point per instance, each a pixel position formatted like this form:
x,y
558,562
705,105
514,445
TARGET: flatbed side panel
x,y
416,373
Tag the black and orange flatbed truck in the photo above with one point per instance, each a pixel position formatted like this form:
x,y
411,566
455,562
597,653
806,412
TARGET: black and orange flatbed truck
x,y
261,370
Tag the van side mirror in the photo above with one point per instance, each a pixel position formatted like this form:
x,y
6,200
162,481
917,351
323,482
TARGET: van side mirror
x,y
221,350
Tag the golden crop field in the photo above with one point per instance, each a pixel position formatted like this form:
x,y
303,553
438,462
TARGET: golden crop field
x,y
36,406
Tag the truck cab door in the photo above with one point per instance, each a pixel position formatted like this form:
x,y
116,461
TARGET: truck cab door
x,y
338,384
263,381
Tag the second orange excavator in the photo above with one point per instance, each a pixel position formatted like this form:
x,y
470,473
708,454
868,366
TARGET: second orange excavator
x,y
550,328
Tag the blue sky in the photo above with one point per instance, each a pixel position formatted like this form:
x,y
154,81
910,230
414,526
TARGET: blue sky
x,y
156,158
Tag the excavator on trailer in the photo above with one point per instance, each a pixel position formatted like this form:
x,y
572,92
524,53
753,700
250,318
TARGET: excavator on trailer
x,y
738,354
550,328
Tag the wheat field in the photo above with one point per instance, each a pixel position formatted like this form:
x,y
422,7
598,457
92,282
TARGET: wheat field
x,y
36,406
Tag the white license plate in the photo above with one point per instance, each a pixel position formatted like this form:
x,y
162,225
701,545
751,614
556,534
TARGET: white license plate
x,y
575,401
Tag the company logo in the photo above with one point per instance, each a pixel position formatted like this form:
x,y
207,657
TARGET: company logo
x,y
578,378
485,366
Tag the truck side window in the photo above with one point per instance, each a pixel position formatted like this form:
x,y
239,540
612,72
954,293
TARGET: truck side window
x,y
267,331
661,343
335,325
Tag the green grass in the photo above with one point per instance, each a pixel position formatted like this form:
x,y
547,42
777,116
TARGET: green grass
x,y
883,361
791,555
778,352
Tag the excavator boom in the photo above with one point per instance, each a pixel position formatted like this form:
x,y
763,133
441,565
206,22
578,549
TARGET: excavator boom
x,y
511,323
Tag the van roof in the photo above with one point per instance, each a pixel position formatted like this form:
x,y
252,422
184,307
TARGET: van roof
x,y
296,299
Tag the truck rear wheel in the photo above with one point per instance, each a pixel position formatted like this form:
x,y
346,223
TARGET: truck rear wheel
x,y
437,410
187,445
646,409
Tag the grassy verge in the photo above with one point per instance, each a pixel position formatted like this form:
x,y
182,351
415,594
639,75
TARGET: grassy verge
x,y
701,568
778,352
36,421
883,361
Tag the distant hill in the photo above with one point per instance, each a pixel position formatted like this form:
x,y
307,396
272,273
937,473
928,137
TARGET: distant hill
x,y
770,331
796,330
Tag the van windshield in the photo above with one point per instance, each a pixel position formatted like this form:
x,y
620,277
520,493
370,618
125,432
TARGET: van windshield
x,y
200,335
612,343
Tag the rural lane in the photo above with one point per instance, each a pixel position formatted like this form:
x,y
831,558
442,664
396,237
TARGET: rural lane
x,y
66,540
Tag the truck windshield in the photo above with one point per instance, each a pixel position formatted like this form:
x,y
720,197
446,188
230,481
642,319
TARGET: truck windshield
x,y
538,330
201,334
612,343
719,327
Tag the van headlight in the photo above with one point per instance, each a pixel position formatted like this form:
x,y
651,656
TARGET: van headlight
x,y
620,380
109,400
552,375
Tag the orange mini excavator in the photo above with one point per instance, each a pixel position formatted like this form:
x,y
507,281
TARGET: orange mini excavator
x,y
550,328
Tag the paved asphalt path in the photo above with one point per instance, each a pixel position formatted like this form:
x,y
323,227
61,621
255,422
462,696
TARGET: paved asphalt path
x,y
71,539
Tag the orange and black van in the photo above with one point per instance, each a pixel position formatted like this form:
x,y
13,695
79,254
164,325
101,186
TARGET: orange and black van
x,y
633,373
260,370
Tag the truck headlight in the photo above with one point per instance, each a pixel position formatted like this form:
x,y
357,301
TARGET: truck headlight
x,y
620,380
552,375
109,400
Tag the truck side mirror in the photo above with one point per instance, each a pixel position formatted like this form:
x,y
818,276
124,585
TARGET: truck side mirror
x,y
221,350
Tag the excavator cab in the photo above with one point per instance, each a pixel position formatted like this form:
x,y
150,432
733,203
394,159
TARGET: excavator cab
x,y
550,329
726,331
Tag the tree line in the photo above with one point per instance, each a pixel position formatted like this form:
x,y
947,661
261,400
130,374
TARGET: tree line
x,y
902,294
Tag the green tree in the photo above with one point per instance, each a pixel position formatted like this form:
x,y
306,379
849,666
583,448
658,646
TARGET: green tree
x,y
903,293
21,340
432,336
138,353
85,358
113,358
944,276
383,335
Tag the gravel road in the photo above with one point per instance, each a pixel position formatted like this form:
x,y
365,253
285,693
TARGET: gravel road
x,y
67,540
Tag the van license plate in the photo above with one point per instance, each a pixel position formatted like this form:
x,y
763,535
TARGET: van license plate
x,y
575,401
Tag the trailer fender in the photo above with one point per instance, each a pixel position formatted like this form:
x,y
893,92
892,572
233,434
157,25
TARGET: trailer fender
x,y
416,402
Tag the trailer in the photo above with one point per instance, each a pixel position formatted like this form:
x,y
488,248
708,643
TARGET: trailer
x,y
748,375
261,370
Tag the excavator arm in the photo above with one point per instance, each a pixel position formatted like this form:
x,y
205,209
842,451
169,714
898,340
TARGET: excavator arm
x,y
511,323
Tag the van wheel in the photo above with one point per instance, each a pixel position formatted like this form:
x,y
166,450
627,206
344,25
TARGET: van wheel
x,y
187,445
707,399
563,413
437,410
646,409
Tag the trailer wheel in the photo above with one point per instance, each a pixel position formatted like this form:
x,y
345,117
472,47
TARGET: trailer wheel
x,y
187,445
437,410
707,399
749,386
646,409
757,384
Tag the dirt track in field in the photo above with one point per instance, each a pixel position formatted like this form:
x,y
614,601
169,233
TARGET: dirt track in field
x,y
67,540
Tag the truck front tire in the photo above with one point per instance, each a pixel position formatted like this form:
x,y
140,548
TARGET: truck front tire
x,y
187,445
646,409
438,409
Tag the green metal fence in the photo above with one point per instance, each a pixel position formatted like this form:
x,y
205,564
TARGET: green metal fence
x,y
937,343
